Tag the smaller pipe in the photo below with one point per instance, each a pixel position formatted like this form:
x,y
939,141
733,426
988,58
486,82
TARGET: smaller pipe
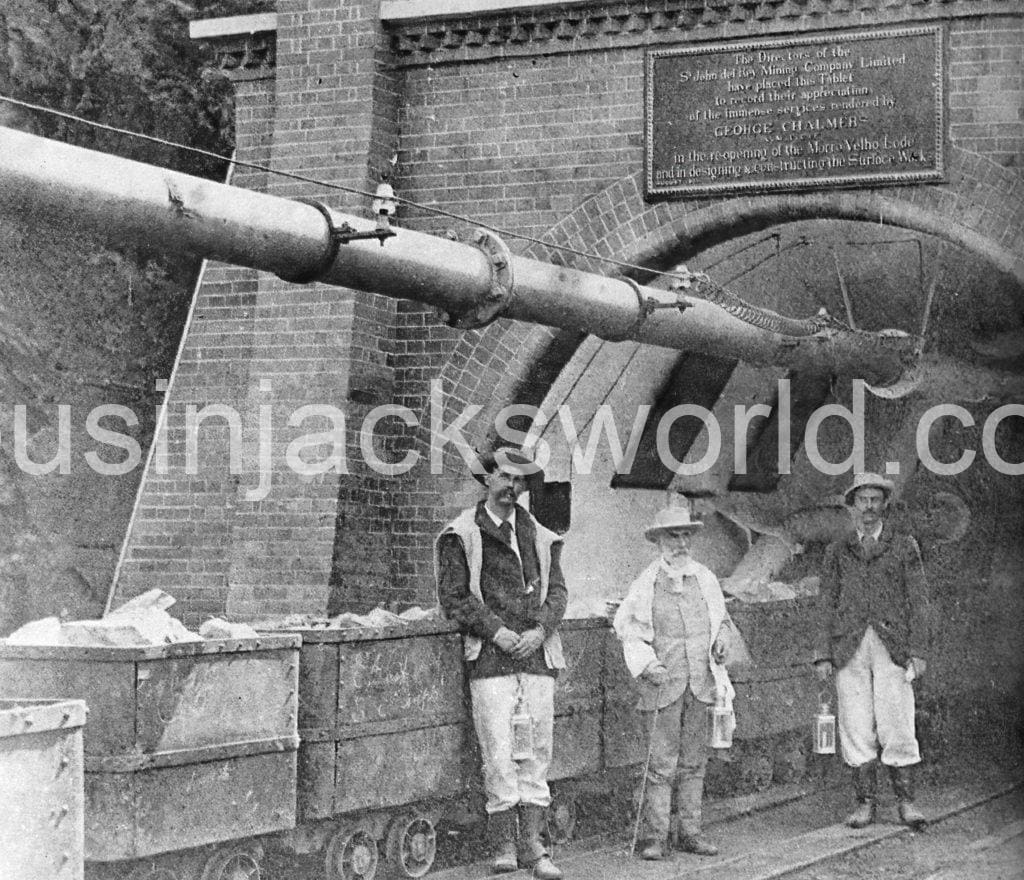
x,y
846,294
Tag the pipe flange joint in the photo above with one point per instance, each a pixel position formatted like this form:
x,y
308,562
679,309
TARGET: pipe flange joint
x,y
492,305
307,275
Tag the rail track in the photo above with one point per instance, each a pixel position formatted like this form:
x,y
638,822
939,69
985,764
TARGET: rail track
x,y
779,834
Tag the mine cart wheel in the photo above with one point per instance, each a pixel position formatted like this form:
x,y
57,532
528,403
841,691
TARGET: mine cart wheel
x,y
351,854
561,816
411,845
152,872
232,863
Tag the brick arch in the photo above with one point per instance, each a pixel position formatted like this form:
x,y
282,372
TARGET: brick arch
x,y
487,367
971,211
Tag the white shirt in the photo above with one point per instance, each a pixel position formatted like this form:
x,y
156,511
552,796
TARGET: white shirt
x,y
875,534
678,574
498,521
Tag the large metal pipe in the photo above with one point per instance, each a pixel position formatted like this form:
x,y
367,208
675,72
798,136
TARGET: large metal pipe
x,y
472,282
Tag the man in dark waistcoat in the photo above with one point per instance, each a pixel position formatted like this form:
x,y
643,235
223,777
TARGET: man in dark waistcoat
x,y
499,577
873,628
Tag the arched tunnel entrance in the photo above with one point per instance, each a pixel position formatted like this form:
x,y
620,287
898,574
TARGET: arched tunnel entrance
x,y
968,315
769,516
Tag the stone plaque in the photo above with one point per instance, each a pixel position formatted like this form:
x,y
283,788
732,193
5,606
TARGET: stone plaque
x,y
843,109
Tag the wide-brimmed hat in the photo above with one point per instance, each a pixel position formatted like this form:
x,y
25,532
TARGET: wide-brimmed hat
x,y
868,479
671,518
488,462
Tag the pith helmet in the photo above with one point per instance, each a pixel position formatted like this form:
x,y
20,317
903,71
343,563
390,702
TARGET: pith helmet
x,y
671,518
875,481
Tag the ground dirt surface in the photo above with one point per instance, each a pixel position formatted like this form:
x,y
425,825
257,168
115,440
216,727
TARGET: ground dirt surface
x,y
796,831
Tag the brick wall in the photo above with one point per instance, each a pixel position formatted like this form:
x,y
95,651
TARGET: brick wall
x,y
335,123
266,348
183,528
526,138
544,138
986,89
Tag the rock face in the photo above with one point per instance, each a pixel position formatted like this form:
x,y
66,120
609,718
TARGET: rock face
x,y
80,327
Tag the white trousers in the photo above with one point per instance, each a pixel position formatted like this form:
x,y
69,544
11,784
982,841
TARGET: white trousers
x,y
508,782
876,707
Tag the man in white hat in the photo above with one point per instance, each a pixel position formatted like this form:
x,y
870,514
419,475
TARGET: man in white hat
x,y
499,577
675,633
873,628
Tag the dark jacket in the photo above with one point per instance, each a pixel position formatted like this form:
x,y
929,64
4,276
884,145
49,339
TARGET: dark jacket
x,y
504,583
883,588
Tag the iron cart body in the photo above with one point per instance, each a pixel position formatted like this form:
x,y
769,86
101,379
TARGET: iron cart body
x,y
186,745
41,789
387,744
194,763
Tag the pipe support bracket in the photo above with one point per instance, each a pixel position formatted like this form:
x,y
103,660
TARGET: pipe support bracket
x,y
646,305
338,235
307,275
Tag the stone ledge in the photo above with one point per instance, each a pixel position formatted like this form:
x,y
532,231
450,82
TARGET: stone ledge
x,y
232,26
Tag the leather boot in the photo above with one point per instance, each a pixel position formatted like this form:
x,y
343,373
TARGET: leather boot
x,y
697,843
903,785
532,853
865,783
653,850
501,838
655,811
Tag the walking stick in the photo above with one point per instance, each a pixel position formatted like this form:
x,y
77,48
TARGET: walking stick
x,y
643,780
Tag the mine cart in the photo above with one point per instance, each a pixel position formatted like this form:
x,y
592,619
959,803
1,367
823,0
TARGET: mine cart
x,y
41,770
579,710
386,740
624,740
388,747
776,697
190,749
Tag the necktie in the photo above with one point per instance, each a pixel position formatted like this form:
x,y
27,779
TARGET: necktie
x,y
505,529
868,543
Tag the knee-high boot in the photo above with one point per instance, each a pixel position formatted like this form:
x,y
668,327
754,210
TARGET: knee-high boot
x,y
903,785
532,853
501,838
865,783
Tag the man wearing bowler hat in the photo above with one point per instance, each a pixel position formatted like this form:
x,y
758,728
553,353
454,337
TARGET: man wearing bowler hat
x,y
675,632
873,629
500,579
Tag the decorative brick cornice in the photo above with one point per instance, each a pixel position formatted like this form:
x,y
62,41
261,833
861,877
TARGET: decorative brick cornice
x,y
601,24
245,45
248,56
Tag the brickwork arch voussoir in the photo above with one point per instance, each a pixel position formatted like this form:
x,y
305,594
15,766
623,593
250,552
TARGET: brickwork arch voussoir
x,y
969,210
